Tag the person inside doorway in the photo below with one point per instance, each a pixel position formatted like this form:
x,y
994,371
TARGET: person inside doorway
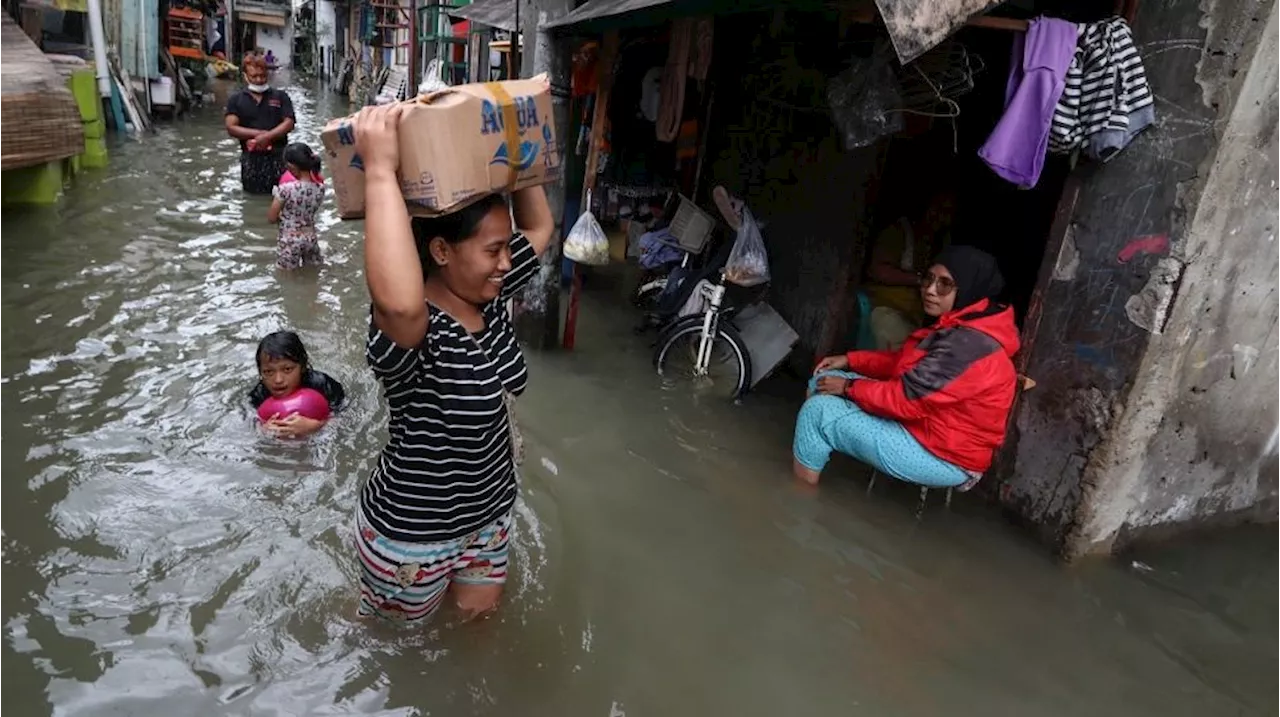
x,y
899,254
934,412
260,117
218,42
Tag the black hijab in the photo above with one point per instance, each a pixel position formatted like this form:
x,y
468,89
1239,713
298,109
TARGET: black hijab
x,y
976,273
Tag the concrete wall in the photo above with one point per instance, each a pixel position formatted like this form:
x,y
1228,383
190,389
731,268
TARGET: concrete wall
x,y
279,40
1197,441
327,36
1123,325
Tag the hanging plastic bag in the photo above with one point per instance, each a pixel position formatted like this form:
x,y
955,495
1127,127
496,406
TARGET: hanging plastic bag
x,y
586,243
864,99
431,79
748,263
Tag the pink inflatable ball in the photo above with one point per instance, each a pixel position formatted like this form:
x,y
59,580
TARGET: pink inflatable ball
x,y
306,402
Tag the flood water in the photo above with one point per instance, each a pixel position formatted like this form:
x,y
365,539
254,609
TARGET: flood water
x,y
162,558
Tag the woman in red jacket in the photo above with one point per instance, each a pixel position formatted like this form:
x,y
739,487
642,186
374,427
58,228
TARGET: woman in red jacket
x,y
934,411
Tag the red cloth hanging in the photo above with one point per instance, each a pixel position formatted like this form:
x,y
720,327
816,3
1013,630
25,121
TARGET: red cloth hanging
x,y
585,76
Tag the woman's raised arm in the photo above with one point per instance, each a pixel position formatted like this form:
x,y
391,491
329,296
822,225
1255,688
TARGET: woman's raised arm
x,y
533,216
391,265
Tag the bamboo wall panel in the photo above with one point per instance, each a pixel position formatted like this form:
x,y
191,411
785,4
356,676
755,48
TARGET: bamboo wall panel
x,y
39,119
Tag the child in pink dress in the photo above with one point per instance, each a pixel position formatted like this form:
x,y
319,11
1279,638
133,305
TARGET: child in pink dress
x,y
295,206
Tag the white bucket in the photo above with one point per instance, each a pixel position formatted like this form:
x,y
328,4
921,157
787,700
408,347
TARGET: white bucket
x,y
162,92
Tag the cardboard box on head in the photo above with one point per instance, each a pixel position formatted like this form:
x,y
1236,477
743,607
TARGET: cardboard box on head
x,y
456,146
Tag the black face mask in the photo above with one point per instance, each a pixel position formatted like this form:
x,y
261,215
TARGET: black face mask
x,y
976,273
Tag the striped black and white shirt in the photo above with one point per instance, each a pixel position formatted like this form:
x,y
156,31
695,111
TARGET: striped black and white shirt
x,y
1105,90
447,470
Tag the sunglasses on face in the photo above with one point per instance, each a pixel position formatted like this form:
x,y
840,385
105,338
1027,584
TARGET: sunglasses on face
x,y
945,284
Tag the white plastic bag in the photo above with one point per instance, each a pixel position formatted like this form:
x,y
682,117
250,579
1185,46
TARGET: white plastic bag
x,y
431,80
748,263
586,243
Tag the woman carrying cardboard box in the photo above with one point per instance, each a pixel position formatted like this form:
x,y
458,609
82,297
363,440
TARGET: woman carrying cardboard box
x,y
435,515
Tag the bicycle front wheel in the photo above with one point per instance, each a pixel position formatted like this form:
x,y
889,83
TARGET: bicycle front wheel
x,y
728,370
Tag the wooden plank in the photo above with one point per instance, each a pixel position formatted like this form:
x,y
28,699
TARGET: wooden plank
x,y
998,23
145,63
137,117
477,58
33,23
867,14
604,71
1062,217
190,52
262,19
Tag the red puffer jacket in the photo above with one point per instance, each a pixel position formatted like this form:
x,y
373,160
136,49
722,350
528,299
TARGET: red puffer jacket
x,y
951,385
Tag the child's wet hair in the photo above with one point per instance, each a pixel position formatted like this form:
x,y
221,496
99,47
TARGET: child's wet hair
x,y
282,345
301,156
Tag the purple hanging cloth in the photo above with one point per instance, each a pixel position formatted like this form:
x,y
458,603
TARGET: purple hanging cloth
x,y
1016,148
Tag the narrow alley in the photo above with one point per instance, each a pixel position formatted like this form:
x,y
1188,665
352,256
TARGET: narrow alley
x,y
163,558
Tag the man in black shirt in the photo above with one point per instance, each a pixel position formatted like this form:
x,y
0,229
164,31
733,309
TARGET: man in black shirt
x,y
261,118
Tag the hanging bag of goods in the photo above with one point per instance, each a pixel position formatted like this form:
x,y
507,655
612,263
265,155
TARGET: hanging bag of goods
x,y
586,243
748,263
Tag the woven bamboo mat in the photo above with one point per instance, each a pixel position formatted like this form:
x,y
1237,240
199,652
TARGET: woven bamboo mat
x,y
39,119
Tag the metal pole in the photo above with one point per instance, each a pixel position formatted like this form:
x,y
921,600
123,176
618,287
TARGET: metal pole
x,y
317,54
228,26
98,36
142,50
515,45
414,49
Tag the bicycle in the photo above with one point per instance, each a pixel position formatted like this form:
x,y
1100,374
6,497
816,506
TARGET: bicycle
x,y
707,339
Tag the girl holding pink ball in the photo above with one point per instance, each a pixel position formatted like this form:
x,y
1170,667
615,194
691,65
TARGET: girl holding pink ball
x,y
292,399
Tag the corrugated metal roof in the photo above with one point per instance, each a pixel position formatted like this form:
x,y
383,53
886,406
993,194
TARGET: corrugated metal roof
x,y
494,13
595,15
915,26
596,9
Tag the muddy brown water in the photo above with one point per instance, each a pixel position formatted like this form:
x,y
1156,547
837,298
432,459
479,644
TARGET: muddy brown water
x,y
162,558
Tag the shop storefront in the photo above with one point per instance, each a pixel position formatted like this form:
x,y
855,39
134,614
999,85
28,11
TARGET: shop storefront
x,y
841,124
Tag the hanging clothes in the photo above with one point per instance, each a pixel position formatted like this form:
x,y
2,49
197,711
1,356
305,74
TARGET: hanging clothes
x,y
651,94
1106,101
585,77
700,56
1037,75
671,101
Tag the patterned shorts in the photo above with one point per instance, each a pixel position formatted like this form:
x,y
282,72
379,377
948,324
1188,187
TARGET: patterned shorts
x,y
407,581
297,251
